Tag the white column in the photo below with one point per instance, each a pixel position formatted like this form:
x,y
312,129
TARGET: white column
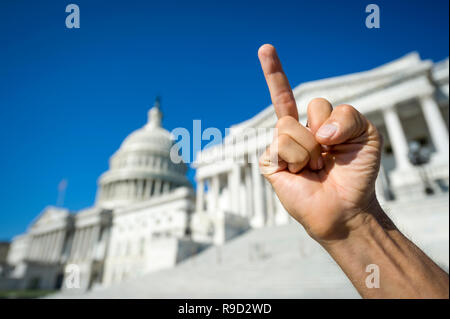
x,y
94,241
436,125
166,187
130,189
114,190
57,246
258,218
133,189
76,243
73,245
80,245
270,207
63,236
87,243
34,248
215,186
119,189
200,194
243,199
157,163
51,246
73,248
38,240
397,137
157,190
123,189
43,247
248,192
107,191
234,188
30,250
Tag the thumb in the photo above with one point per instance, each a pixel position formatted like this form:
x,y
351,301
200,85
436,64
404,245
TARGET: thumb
x,y
345,123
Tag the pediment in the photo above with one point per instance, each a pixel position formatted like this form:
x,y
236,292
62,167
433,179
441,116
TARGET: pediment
x,y
49,216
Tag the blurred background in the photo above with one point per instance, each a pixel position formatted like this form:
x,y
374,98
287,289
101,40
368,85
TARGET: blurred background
x,y
73,175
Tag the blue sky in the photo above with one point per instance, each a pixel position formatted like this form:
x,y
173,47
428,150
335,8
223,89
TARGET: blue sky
x,y
68,97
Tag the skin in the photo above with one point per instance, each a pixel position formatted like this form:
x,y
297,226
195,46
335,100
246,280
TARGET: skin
x,y
324,175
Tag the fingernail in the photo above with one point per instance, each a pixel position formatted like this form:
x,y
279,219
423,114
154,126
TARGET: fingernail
x,y
320,163
327,131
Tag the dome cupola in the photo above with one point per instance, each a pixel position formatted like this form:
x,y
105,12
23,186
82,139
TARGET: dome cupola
x,y
142,168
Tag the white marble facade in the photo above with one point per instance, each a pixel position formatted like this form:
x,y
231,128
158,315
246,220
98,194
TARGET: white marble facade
x,y
148,217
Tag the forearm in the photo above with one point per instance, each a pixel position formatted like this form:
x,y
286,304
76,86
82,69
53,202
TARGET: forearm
x,y
404,270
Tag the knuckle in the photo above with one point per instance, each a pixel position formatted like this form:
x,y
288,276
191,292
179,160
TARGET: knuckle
x,y
346,109
283,141
304,157
358,121
284,97
284,121
318,100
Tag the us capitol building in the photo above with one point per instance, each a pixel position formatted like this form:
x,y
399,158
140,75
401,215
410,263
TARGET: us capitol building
x,y
147,215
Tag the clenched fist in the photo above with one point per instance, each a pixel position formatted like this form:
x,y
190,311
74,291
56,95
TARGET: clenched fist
x,y
324,174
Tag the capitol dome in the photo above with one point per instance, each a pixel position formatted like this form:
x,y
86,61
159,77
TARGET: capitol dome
x,y
142,168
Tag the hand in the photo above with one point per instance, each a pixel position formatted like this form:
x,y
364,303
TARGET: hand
x,y
323,174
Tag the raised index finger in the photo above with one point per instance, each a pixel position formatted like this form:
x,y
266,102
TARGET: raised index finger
x,y
280,90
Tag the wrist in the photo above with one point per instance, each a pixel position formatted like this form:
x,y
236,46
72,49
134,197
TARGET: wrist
x,y
373,240
368,221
